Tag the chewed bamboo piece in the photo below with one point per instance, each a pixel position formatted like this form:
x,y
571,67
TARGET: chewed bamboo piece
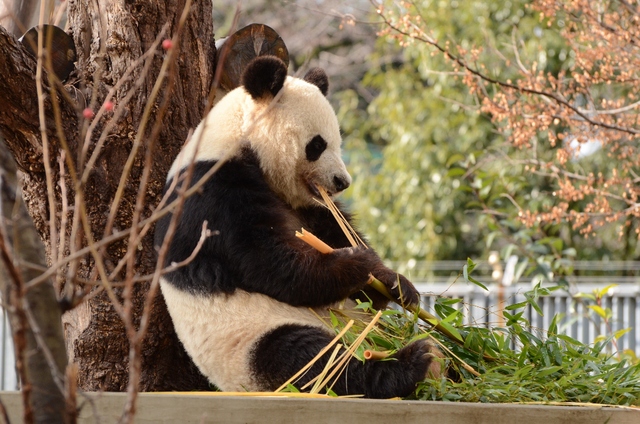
x,y
318,356
373,355
320,380
314,241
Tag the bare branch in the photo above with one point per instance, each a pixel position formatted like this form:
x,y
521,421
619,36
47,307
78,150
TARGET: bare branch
x,y
419,35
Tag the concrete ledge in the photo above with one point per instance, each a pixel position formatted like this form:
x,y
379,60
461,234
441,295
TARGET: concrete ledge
x,y
202,408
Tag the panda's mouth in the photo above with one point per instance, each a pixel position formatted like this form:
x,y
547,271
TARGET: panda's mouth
x,y
315,192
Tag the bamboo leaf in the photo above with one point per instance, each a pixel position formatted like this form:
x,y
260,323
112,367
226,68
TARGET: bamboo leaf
x,y
547,371
466,271
599,310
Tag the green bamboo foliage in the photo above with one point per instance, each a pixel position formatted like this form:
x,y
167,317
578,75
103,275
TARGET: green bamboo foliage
x,y
514,363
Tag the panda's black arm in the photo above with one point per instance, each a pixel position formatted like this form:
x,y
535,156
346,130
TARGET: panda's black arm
x,y
284,267
321,222
280,265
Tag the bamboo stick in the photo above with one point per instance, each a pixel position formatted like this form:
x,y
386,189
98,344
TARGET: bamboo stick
x,y
314,241
422,314
347,229
342,361
372,355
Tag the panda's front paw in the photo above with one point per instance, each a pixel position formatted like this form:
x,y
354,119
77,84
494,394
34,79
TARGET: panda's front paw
x,y
354,264
364,262
401,289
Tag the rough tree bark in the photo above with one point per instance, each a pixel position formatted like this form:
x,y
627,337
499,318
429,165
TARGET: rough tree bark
x,y
110,35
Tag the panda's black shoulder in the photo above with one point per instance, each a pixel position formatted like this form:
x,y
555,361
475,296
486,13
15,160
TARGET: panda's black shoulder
x,y
240,168
237,174
237,192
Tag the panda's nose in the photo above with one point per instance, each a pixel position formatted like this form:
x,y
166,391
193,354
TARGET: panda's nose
x,y
340,183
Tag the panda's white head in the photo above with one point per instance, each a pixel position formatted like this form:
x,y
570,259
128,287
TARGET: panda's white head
x,y
287,121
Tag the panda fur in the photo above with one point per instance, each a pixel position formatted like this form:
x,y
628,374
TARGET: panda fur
x,y
243,306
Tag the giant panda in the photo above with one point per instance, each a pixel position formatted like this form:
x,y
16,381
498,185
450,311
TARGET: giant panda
x,y
242,305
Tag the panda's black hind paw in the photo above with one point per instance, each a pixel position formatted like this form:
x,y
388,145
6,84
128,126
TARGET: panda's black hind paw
x,y
421,359
399,375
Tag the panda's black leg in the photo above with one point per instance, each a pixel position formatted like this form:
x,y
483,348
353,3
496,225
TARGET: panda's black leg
x,y
284,351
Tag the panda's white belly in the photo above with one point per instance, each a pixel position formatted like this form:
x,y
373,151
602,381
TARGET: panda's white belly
x,y
219,331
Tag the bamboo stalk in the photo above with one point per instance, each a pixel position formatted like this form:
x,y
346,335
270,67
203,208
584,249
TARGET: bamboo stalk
x,y
422,314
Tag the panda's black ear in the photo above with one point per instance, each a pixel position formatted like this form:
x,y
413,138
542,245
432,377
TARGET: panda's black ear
x,y
264,75
318,77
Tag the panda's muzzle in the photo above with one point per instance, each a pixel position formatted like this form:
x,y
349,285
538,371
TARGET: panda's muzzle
x,y
315,191
339,184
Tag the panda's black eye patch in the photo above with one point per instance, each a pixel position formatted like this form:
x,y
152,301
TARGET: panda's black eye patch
x,y
315,147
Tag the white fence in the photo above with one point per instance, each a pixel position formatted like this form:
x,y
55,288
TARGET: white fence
x,y
8,376
480,307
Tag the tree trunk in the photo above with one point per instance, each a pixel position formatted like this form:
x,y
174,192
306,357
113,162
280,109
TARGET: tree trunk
x,y
34,313
111,36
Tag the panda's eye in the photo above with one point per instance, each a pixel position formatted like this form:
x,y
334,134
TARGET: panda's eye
x,y
315,147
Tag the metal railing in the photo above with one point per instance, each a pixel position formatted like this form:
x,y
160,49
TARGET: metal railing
x,y
481,308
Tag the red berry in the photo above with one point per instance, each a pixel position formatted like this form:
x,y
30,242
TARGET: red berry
x,y
167,44
108,105
87,113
